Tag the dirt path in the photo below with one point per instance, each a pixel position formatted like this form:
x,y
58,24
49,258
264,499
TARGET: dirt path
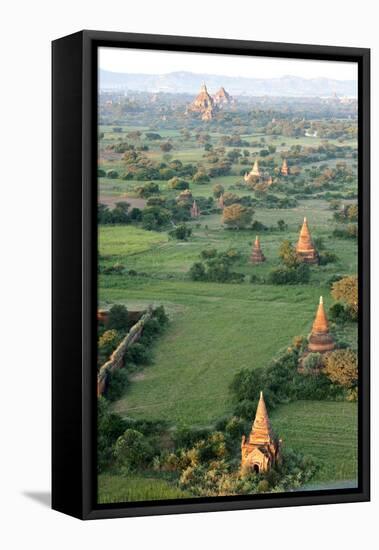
x,y
110,201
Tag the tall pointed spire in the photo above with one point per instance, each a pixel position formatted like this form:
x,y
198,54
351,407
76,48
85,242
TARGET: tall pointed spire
x,y
320,324
195,210
305,248
261,450
320,340
284,169
257,255
255,171
261,431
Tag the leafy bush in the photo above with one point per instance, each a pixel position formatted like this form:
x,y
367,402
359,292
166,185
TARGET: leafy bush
x,y
208,253
154,218
200,177
182,232
148,189
350,232
108,342
161,316
138,354
118,318
327,258
237,216
218,190
217,267
176,183
312,362
339,313
197,272
341,367
132,450
117,382
109,427
113,174
288,255
346,289
289,275
281,382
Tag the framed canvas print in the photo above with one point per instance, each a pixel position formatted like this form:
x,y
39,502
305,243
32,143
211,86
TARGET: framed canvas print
x,y
210,274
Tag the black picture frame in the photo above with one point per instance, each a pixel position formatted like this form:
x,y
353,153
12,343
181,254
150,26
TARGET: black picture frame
x,y
74,173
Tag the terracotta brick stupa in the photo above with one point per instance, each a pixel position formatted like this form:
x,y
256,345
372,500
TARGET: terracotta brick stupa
x,y
261,450
284,171
195,210
320,340
305,248
257,256
253,174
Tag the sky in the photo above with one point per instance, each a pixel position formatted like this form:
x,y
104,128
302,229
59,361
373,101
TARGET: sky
x,y
125,60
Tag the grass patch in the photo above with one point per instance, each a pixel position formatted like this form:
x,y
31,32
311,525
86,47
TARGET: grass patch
x,y
326,430
112,488
119,241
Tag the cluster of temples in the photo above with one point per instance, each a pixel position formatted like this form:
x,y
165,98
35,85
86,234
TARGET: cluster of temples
x,y
207,105
305,248
256,175
261,450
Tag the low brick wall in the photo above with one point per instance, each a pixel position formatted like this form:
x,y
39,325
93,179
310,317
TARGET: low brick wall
x,y
116,360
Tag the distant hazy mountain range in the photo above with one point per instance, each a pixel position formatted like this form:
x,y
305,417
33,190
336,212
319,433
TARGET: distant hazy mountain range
x,y
186,82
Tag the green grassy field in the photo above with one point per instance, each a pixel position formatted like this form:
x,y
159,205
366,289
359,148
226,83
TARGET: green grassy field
x,y
218,329
326,430
245,324
114,488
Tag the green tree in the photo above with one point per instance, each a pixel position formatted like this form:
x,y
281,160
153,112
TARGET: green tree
x,y
108,342
132,450
118,317
182,232
117,383
218,190
176,183
166,147
197,272
346,290
341,367
287,254
110,426
237,216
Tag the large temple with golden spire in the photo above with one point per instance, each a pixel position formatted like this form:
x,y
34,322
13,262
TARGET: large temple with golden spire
x,y
320,340
257,256
261,450
305,249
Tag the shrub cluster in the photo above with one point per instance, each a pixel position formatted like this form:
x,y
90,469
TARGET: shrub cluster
x,y
284,275
216,267
281,382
